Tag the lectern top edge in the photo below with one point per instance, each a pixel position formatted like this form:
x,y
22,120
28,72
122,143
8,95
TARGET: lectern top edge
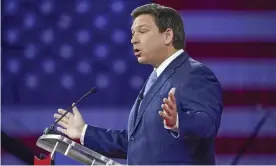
x,y
58,143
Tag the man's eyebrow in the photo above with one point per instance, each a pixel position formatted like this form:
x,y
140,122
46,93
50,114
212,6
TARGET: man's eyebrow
x,y
140,26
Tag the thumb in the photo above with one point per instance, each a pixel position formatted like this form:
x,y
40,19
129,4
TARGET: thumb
x,y
75,110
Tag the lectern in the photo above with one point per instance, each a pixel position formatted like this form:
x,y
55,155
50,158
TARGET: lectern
x,y
57,143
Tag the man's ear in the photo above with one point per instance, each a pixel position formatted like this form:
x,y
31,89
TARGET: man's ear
x,y
168,35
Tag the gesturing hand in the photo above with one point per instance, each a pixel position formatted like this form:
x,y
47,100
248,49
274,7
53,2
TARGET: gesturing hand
x,y
169,110
72,123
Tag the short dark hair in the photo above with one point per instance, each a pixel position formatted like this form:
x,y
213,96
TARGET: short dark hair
x,y
165,17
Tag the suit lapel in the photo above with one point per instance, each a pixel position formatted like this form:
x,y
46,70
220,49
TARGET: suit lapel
x,y
166,74
132,116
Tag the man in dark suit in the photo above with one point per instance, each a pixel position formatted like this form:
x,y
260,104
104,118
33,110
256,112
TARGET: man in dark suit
x,y
177,114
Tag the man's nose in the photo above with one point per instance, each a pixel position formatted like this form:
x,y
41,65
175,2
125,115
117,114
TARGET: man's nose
x,y
134,40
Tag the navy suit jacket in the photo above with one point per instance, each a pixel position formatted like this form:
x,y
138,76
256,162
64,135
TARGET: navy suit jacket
x,y
145,142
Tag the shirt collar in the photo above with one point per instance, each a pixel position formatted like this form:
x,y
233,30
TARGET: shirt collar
x,y
165,63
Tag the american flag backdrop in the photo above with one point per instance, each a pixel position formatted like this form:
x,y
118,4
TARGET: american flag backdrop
x,y
55,51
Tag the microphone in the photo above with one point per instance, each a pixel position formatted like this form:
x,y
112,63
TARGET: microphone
x,y
51,129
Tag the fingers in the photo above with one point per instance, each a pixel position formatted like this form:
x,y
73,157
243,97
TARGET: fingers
x,y
167,109
164,115
171,96
75,110
62,111
172,91
64,119
64,131
63,124
58,116
169,103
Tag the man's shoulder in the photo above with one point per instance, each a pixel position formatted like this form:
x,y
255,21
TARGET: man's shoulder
x,y
197,70
196,67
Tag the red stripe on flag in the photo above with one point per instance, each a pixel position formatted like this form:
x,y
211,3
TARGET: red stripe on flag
x,y
219,5
266,97
234,50
232,145
224,145
30,142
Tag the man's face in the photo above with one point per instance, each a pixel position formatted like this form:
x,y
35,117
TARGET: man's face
x,y
146,39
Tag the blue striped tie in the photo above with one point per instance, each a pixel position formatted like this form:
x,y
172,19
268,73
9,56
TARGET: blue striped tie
x,y
151,80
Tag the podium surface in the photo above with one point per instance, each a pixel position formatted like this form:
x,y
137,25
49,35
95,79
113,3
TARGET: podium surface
x,y
58,143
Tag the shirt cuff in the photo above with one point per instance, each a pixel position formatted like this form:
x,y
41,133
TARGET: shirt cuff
x,y
83,134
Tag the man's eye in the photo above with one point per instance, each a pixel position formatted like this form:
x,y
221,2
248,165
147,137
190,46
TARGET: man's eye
x,y
143,32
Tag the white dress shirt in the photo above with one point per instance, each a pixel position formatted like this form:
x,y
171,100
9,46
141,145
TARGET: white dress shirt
x,y
158,70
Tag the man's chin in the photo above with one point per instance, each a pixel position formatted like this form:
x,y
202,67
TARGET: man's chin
x,y
141,60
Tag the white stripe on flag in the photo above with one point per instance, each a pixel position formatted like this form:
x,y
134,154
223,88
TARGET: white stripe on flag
x,y
235,121
229,25
248,74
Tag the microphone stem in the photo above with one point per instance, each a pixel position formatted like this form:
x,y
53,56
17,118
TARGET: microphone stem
x,y
51,129
69,109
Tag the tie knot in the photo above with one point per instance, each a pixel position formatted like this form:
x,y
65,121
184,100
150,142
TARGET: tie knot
x,y
151,80
153,76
